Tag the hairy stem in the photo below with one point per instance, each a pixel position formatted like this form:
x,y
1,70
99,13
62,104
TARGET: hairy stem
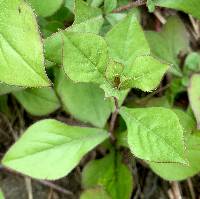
x,y
130,5
113,119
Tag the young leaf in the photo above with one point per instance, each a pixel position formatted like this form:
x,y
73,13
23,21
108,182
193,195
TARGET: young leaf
x,y
144,73
149,128
45,8
21,53
83,101
50,149
126,40
189,6
172,171
95,193
38,101
116,179
194,96
84,57
162,43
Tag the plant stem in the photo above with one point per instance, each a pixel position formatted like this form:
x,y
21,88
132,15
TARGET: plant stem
x,y
113,119
130,5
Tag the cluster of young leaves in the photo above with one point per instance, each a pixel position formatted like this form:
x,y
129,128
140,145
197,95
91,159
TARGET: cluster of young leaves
x,y
103,54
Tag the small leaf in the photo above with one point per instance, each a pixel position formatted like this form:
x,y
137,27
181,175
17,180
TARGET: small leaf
x,y
149,128
21,53
83,101
84,57
144,73
116,179
50,149
95,193
194,96
45,8
126,40
189,6
162,43
38,101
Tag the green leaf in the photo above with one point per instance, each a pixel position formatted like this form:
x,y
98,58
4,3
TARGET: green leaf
x,y
2,197
95,193
116,179
83,101
172,171
109,5
189,6
21,53
45,8
149,128
84,57
83,12
5,89
194,96
50,149
38,101
168,43
126,40
145,73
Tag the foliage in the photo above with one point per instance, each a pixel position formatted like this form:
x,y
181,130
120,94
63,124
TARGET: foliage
x,y
82,66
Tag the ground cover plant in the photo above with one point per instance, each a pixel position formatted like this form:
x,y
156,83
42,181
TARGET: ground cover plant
x,y
100,87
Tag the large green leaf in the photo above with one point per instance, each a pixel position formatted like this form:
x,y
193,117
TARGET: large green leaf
x,y
145,73
38,101
126,40
21,53
168,43
84,57
189,6
84,101
149,128
116,179
45,8
194,96
50,149
95,193
172,171
90,23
